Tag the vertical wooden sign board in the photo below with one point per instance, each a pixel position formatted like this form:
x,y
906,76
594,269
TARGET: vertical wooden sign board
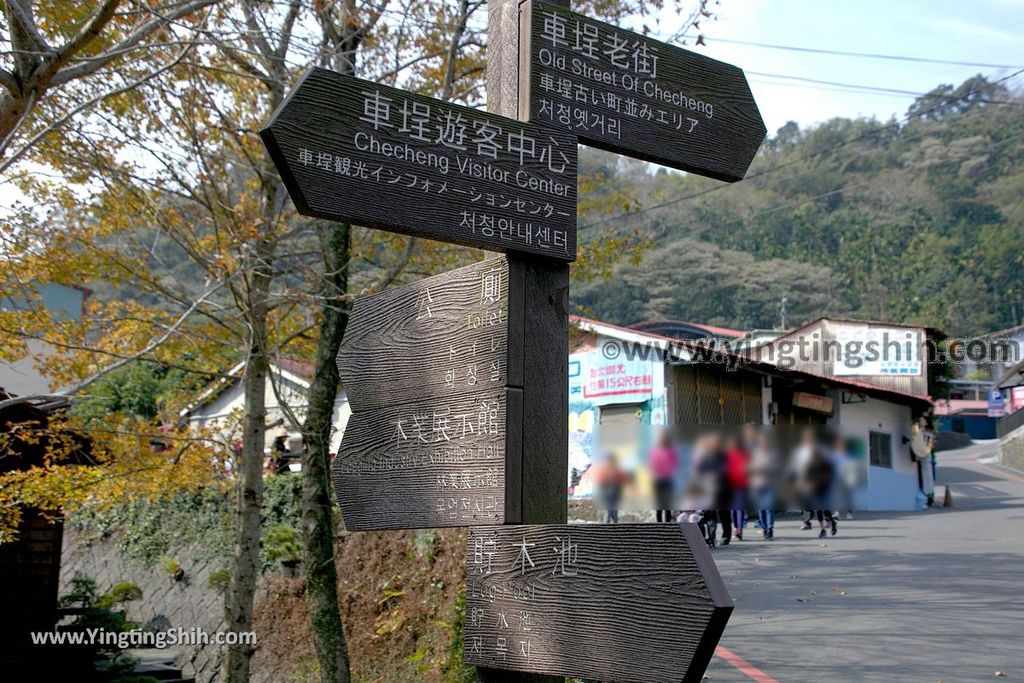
x,y
432,371
630,602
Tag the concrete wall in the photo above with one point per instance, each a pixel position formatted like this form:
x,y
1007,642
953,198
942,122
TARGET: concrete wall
x,y
887,489
1011,449
165,604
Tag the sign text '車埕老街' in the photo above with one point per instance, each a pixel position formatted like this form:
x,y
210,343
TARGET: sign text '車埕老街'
x,y
628,93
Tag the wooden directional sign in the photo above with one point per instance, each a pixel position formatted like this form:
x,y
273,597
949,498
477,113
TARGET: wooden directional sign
x,y
427,369
352,150
624,92
617,602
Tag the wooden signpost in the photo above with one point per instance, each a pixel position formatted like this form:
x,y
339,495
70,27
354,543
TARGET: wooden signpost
x,y
626,93
433,372
629,602
458,382
356,151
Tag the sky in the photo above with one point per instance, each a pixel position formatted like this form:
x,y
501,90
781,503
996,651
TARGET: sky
x,y
981,31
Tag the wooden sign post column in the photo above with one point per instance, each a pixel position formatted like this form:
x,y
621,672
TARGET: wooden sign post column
x,y
545,456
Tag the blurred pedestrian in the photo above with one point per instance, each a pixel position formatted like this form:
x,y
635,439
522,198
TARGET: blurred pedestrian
x,y
737,459
710,470
663,462
846,476
609,479
802,457
820,479
764,479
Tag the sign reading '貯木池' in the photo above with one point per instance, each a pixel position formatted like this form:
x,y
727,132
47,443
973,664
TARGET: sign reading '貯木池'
x,y
612,602
624,92
353,150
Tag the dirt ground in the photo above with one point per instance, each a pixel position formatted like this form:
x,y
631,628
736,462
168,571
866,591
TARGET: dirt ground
x,y
398,593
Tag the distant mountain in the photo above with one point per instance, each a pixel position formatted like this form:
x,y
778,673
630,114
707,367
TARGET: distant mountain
x,y
918,220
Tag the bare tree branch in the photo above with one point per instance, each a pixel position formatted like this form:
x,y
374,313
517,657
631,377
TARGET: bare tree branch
x,y
8,162
133,39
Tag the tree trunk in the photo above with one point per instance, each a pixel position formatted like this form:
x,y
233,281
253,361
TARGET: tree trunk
x,y
238,599
317,505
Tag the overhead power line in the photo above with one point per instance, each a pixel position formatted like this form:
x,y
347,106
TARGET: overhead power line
x,y
717,188
865,55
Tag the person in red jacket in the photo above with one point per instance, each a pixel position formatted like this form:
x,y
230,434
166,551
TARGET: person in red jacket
x,y
737,459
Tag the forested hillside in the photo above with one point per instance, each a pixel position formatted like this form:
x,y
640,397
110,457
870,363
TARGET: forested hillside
x,y
916,220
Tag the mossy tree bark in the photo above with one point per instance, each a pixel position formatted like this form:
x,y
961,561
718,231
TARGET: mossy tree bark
x,y
317,520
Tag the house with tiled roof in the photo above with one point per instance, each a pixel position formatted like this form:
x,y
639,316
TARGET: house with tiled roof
x,y
220,405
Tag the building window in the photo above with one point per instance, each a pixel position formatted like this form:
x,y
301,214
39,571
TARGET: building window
x,y
880,449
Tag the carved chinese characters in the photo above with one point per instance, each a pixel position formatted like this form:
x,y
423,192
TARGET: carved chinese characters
x,y
356,151
426,370
630,602
624,92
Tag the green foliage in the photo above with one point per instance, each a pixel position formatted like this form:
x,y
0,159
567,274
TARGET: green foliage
x,y
120,593
455,670
219,579
196,522
424,545
98,608
141,388
281,544
172,567
919,222
84,592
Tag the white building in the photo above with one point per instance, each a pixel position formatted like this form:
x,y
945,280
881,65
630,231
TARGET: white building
x,y
221,406
623,380
20,377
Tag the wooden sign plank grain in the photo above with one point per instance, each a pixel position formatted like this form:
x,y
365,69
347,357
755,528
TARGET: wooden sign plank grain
x,y
425,463
626,602
627,93
438,337
433,372
361,152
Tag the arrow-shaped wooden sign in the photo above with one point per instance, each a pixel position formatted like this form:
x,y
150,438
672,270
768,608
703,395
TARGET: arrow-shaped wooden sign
x,y
356,151
627,93
615,602
433,380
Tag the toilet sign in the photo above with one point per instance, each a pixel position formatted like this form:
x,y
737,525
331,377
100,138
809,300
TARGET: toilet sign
x,y
457,382
426,368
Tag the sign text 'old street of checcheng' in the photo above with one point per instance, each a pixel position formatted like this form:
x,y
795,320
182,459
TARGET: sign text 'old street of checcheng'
x,y
628,93
458,383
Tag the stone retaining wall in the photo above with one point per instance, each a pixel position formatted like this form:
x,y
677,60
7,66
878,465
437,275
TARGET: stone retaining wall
x,y
165,604
1011,449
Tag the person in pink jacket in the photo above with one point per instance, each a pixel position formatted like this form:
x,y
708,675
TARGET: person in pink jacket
x,y
663,462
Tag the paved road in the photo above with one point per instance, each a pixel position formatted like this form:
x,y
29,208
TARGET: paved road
x,y
931,596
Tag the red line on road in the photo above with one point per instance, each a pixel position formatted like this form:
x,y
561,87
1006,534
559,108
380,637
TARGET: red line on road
x,y
743,666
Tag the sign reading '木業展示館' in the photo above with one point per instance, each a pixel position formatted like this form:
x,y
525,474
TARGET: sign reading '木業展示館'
x,y
627,93
426,368
353,150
